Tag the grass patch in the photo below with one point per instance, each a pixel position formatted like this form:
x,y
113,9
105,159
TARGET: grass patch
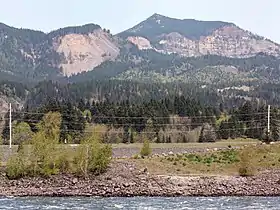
x,y
244,162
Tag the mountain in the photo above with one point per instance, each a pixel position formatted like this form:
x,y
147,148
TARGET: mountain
x,y
150,66
34,55
189,37
159,49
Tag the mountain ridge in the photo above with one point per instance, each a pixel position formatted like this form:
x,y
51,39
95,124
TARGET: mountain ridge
x,y
190,37
159,18
72,50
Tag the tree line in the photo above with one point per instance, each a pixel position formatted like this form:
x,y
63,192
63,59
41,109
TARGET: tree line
x,y
178,120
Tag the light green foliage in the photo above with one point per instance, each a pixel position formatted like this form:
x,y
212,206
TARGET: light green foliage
x,y
92,155
87,115
50,126
146,149
64,162
42,159
21,132
223,157
47,157
45,143
16,167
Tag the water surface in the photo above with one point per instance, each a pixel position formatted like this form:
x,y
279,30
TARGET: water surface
x,y
195,203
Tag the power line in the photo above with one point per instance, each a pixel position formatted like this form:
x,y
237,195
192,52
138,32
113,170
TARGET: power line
x,y
155,132
148,117
166,132
142,124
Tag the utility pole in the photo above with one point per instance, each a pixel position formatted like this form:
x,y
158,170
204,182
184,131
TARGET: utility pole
x,y
268,121
10,124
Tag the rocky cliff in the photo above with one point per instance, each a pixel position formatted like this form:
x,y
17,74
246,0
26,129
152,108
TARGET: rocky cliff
x,y
83,52
36,55
196,38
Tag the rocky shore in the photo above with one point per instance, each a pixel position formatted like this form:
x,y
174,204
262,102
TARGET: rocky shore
x,y
124,180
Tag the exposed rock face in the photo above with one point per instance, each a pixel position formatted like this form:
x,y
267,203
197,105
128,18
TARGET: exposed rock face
x,y
189,37
141,42
229,41
83,52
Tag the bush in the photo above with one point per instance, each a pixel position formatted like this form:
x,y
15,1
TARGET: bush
x,y
100,158
246,171
64,163
16,167
45,159
41,160
247,167
92,156
146,150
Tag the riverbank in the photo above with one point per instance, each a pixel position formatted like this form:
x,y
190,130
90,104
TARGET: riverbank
x,y
124,179
129,150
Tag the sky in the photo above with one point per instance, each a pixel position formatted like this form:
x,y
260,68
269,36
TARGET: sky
x,y
258,16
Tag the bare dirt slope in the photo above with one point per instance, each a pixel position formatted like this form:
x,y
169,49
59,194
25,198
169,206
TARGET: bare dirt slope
x,y
83,52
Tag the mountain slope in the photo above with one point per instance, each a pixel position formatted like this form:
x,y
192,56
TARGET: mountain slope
x,y
150,66
190,37
34,55
155,48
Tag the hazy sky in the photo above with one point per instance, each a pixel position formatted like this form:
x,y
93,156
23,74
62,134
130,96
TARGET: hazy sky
x,y
259,16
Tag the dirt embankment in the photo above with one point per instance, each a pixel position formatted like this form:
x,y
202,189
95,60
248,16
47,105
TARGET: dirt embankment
x,y
124,179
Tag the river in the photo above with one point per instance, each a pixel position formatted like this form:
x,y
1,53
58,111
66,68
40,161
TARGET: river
x,y
195,203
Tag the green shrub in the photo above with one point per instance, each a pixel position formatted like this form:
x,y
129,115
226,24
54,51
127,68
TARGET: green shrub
x,y
146,150
46,159
64,163
16,167
100,158
194,158
92,156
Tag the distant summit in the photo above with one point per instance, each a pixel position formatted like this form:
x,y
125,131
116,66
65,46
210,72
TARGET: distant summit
x,y
157,25
189,37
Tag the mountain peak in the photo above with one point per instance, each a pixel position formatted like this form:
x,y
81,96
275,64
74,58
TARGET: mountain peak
x,y
157,25
156,15
191,37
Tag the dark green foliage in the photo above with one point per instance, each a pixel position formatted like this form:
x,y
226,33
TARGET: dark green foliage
x,y
248,120
207,134
15,44
193,29
207,69
85,29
